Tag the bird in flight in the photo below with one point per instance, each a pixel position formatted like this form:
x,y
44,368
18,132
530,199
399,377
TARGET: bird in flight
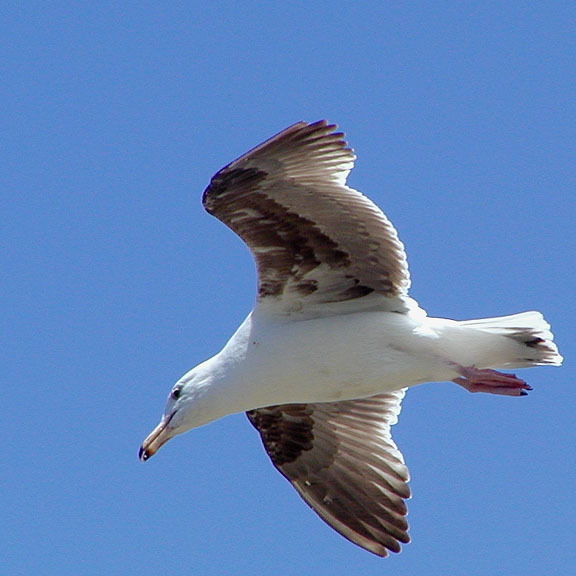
x,y
321,364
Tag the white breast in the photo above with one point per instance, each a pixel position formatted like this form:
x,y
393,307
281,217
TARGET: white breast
x,y
330,358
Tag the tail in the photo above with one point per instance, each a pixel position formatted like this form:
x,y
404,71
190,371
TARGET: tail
x,y
527,328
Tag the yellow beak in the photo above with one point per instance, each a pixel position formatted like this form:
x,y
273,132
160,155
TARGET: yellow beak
x,y
157,438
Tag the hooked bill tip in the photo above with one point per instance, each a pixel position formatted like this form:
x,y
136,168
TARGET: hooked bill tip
x,y
143,454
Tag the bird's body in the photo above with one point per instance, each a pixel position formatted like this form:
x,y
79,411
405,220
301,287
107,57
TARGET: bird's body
x,y
274,360
321,364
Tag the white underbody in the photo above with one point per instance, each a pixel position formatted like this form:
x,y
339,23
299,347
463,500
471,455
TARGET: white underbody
x,y
274,360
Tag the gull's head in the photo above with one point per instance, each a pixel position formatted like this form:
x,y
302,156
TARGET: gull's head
x,y
188,406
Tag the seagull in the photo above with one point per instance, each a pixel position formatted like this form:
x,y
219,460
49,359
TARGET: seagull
x,y
321,364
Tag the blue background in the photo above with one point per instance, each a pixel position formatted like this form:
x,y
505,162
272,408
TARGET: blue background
x,y
115,281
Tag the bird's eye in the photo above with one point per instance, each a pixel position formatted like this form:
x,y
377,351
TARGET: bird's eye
x,y
176,391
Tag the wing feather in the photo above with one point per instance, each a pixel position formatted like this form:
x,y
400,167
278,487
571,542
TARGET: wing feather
x,y
314,239
341,459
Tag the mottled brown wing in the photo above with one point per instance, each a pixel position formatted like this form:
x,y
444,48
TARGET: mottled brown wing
x,y
342,460
314,239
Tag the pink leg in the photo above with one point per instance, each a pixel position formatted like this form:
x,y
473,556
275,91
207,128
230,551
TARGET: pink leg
x,y
491,381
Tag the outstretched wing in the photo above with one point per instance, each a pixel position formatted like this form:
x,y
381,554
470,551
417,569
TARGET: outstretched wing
x,y
314,239
342,460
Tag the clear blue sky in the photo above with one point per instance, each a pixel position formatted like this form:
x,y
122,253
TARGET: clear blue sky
x,y
115,281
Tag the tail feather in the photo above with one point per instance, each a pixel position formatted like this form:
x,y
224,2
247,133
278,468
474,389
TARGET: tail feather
x,y
528,328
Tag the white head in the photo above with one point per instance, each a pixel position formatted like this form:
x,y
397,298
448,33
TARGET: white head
x,y
190,404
